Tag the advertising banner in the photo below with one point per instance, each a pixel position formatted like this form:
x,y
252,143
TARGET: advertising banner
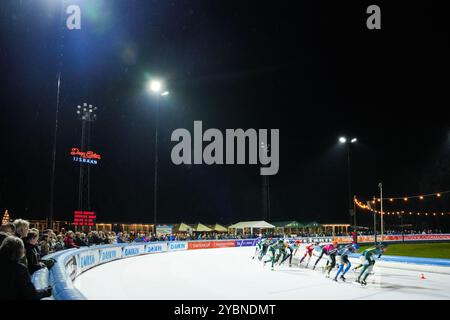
x,y
177,246
109,254
163,230
224,244
129,251
72,268
156,247
245,243
200,245
88,259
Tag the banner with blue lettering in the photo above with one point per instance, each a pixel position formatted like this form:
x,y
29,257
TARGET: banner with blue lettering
x,y
129,251
246,243
109,254
156,247
177,246
88,259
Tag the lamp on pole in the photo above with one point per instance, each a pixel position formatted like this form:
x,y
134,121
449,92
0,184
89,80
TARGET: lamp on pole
x,y
380,185
155,87
351,207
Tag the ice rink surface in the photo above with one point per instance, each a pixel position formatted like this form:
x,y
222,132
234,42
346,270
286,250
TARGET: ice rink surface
x,y
231,274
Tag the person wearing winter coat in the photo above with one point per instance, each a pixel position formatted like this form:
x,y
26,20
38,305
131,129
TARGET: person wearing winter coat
x,y
68,241
14,276
32,253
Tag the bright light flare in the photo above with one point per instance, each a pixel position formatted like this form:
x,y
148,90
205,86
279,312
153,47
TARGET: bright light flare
x,y
155,86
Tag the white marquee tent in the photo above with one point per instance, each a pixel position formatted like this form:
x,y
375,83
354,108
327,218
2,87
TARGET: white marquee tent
x,y
249,225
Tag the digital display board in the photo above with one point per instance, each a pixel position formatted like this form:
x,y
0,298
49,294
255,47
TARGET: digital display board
x,y
84,218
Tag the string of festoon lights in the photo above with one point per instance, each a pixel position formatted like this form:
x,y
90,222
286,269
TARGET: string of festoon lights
x,y
361,205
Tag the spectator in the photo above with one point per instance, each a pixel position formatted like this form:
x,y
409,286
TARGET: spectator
x,y
68,240
78,241
14,276
8,228
120,238
59,245
33,256
22,227
44,245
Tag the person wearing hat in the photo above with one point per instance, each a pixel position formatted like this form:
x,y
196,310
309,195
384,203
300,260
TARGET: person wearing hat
x,y
292,247
273,248
342,257
368,261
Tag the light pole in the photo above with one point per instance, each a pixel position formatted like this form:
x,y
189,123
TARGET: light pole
x,y
380,185
86,114
351,208
156,86
265,186
55,131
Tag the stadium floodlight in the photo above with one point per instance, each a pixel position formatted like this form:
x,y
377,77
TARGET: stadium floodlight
x,y
342,140
155,86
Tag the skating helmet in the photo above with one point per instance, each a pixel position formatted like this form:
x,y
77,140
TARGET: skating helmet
x,y
335,243
382,245
297,241
287,242
280,241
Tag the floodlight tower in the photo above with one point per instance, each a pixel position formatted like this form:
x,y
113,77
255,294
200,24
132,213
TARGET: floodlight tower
x,y
86,114
265,186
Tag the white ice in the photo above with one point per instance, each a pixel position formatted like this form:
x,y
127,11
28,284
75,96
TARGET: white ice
x,y
231,274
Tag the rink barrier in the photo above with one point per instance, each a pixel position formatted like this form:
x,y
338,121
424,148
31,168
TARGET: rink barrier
x,y
71,263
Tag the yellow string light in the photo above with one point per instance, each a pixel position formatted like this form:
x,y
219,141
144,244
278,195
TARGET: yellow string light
x,y
361,205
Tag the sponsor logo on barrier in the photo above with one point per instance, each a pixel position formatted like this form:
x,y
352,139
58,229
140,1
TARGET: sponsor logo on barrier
x,y
248,243
88,259
132,251
200,245
109,254
175,246
156,248
223,244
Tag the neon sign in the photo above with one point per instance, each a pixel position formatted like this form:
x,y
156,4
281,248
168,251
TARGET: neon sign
x,y
84,218
85,157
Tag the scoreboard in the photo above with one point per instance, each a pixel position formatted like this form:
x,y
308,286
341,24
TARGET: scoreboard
x,y
84,218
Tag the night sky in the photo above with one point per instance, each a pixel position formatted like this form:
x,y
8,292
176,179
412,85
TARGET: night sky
x,y
312,70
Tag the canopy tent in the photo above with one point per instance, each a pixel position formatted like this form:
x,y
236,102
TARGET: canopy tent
x,y
250,225
287,226
201,228
218,228
182,227
313,227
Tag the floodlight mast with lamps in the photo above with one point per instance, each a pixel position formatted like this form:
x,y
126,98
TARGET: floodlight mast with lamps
x,y
351,199
86,114
155,87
